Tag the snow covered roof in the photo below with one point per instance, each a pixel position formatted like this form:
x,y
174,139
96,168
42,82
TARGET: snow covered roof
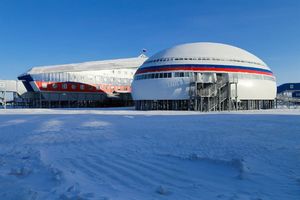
x,y
205,53
92,65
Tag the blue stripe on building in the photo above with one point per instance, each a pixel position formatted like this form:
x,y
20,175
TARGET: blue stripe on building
x,y
206,65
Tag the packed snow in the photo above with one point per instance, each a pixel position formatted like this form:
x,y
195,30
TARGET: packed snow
x,y
127,154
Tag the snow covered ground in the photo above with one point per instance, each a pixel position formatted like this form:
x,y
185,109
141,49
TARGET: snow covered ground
x,y
126,154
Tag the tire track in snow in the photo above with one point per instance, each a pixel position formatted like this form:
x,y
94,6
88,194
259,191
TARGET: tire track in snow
x,y
156,169
118,179
131,171
137,172
96,172
121,172
158,172
77,166
92,166
166,165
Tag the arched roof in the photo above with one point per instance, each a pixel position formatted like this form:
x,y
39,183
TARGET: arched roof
x,y
207,53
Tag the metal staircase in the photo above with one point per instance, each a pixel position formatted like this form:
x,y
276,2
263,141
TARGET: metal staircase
x,y
209,96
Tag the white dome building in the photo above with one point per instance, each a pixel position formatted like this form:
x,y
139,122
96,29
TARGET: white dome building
x,y
204,76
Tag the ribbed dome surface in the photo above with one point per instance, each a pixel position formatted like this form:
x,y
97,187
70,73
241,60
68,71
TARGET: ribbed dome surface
x,y
219,53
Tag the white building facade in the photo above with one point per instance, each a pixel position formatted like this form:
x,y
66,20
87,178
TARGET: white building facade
x,y
211,75
84,82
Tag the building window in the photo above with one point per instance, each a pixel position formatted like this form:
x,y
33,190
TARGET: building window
x,y
82,87
65,86
74,87
54,86
186,74
179,74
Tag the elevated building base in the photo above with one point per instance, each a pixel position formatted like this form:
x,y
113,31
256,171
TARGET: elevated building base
x,y
203,105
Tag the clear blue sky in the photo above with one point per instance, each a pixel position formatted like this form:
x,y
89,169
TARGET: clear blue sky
x,y
43,32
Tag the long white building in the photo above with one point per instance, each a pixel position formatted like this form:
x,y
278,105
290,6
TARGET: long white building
x,y
204,76
88,81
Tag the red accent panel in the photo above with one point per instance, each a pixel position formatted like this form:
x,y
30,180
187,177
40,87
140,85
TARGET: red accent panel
x,y
80,87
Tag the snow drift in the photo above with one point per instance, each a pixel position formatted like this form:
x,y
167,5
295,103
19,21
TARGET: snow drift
x,y
104,154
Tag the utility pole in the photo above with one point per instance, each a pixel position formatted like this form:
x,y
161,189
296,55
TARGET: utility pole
x,y
4,98
236,97
40,99
3,85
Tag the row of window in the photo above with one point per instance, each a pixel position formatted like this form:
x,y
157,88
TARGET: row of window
x,y
153,75
252,76
163,75
66,77
201,58
64,86
191,74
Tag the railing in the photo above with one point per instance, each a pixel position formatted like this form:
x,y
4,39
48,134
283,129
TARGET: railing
x,y
221,98
288,99
212,90
213,94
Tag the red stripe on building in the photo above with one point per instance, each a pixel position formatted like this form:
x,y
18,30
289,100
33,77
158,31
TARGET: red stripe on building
x,y
80,87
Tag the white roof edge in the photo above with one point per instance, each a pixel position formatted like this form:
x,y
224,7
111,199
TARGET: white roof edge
x,y
210,49
92,65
